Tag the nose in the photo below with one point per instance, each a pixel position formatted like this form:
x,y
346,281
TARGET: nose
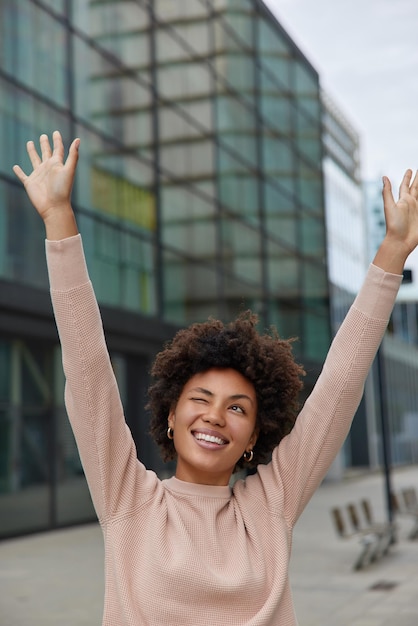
x,y
215,416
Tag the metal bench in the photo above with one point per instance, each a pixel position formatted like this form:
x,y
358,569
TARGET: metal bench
x,y
406,504
375,538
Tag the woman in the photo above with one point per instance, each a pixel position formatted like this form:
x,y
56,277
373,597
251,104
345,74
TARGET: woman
x,y
190,550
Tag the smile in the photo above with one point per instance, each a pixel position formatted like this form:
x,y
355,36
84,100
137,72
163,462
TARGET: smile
x,y
209,438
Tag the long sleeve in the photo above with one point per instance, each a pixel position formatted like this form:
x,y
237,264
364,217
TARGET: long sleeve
x,y
302,459
92,398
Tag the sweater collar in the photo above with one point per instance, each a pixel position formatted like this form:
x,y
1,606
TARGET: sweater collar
x,y
192,489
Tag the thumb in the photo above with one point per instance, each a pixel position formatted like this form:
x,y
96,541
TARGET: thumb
x,y
72,159
388,199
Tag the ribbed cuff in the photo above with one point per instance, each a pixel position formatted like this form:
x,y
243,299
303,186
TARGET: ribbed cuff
x,y
378,293
67,267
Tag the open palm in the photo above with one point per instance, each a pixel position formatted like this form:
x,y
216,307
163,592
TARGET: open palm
x,y
402,216
50,183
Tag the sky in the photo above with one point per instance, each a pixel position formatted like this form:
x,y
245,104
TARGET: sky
x,y
366,53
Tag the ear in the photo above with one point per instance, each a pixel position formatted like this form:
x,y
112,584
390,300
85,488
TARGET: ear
x,y
171,419
254,437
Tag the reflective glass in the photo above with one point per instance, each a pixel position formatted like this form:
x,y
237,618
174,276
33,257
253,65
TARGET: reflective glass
x,y
22,257
241,250
233,32
192,237
283,272
240,295
238,187
25,448
190,121
101,19
236,71
312,235
276,106
316,334
27,56
236,127
186,202
188,160
191,289
286,316
275,55
239,192
278,155
72,499
281,215
308,136
310,188
167,10
188,38
191,79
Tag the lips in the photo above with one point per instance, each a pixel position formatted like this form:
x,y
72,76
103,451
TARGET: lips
x,y
209,437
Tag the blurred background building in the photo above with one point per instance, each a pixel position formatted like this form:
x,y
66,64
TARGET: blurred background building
x,y
214,176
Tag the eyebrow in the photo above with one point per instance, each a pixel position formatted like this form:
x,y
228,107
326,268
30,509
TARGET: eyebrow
x,y
236,396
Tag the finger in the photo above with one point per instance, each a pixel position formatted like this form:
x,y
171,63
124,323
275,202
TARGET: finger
x,y
20,173
388,199
72,159
406,180
58,144
34,157
414,186
45,147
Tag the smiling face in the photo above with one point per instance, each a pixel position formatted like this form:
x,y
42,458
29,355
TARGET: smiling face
x,y
214,423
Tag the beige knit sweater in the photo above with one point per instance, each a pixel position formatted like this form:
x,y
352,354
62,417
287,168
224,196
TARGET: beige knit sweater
x,y
180,554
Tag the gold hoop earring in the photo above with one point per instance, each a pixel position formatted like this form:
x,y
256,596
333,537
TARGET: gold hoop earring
x,y
248,456
170,433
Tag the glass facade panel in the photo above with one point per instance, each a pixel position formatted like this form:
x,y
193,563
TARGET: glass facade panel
x,y
275,55
22,257
281,216
168,11
308,135
186,202
27,56
315,303
240,296
286,315
236,125
26,413
283,273
275,105
312,240
239,190
98,19
186,123
234,178
196,237
241,250
234,31
189,80
190,289
176,46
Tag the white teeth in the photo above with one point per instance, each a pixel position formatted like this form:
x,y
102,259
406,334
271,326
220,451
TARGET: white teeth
x,y
209,438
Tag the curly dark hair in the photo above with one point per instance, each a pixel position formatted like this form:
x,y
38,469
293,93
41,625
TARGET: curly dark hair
x,y
265,360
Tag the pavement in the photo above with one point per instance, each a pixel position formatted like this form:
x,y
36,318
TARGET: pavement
x,y
57,577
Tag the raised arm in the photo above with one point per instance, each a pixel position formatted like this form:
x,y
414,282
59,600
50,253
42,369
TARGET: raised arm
x,y
92,398
303,458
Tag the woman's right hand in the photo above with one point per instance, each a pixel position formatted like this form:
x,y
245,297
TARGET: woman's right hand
x,y
50,184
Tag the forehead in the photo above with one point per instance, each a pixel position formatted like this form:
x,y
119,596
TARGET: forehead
x,y
225,381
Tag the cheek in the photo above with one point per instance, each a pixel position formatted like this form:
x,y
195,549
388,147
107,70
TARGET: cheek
x,y
242,431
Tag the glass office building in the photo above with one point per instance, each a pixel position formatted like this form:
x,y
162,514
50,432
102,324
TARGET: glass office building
x,y
199,193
